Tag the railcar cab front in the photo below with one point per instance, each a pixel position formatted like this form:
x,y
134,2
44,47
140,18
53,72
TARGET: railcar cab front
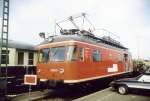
x,y
56,62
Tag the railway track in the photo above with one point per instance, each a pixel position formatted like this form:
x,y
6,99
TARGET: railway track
x,y
61,94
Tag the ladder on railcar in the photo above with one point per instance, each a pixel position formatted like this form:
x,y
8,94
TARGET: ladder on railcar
x,y
4,40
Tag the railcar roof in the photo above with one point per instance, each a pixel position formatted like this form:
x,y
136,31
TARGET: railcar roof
x,y
20,45
92,40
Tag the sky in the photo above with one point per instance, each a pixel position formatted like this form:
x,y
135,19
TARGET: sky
x,y
128,19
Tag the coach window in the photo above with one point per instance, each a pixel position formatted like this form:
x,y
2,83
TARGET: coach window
x,y
31,58
3,60
96,55
72,53
20,58
81,54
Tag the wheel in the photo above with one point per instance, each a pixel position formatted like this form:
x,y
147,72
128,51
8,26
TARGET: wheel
x,y
123,90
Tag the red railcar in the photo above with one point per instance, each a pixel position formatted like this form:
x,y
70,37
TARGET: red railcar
x,y
76,58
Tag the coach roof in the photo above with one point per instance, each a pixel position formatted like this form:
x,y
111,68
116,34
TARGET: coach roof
x,y
20,45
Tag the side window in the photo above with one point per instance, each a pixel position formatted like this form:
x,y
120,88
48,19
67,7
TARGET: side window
x,y
96,55
119,57
81,54
144,78
72,53
20,58
45,54
3,57
31,58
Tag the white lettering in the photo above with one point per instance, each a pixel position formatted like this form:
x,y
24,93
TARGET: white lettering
x,y
114,68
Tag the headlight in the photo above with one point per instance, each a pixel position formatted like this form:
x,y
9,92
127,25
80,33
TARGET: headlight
x,y
61,70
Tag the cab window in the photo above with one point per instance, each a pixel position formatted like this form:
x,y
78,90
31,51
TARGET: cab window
x,y
43,55
57,54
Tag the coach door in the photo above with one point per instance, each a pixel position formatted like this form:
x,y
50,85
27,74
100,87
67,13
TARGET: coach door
x,y
126,62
